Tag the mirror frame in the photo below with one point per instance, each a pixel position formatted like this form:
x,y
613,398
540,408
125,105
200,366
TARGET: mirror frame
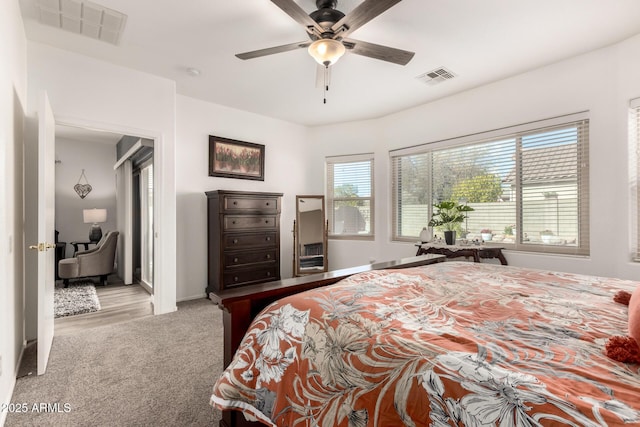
x,y
297,270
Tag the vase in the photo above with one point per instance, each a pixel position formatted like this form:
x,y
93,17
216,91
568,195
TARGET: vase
x,y
450,237
425,235
487,237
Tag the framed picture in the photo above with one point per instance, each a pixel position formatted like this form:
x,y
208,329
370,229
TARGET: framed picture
x,y
229,158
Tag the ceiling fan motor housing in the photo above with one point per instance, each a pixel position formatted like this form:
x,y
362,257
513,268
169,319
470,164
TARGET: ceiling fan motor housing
x,y
327,14
326,4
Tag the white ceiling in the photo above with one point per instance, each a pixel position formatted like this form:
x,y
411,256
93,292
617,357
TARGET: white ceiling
x,y
87,135
479,40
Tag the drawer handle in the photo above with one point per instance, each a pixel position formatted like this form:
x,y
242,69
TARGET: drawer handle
x,y
268,273
235,279
268,256
267,203
235,260
266,221
235,241
233,222
235,203
268,239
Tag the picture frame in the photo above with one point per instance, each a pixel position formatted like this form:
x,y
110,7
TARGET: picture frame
x,y
229,158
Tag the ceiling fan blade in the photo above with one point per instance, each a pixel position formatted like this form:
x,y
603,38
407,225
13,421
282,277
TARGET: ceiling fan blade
x,y
363,13
384,53
271,50
292,9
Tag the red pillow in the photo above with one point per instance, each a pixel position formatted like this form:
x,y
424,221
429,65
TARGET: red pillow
x,y
622,297
627,349
634,316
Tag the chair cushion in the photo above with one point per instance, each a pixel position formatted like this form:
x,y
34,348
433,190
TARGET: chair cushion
x,y
68,268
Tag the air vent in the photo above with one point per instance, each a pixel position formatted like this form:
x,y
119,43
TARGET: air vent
x,y
436,76
83,17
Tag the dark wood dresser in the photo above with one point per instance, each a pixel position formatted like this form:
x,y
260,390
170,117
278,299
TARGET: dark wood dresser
x,y
243,238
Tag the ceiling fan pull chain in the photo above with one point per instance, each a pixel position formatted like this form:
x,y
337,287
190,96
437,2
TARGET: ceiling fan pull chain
x,y
326,84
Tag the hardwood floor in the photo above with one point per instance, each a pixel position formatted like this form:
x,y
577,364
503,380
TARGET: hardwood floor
x,y
118,302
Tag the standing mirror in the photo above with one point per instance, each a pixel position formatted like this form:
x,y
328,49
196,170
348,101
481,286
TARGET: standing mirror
x,y
309,236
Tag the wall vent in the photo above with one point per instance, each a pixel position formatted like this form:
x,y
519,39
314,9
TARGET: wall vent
x,y
436,76
83,17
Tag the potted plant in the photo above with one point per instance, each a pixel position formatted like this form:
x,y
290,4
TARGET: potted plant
x,y
487,235
510,230
448,217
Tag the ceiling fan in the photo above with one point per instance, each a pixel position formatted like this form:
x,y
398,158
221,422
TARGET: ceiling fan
x,y
328,28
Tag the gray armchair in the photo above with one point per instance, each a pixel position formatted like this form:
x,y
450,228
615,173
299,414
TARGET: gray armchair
x,y
94,262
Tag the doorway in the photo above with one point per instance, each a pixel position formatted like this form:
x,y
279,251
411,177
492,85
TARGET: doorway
x,y
87,157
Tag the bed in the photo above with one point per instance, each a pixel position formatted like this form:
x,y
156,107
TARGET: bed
x,y
452,343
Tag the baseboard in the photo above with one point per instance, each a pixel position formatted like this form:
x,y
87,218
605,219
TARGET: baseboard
x,y
12,385
7,400
192,297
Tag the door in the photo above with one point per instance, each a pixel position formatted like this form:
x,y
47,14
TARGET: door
x,y
146,225
46,238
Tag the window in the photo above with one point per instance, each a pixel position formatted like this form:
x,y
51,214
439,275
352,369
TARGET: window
x,y
528,185
350,196
634,158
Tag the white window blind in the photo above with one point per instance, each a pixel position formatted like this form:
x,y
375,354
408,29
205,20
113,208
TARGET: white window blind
x,y
634,151
350,201
528,185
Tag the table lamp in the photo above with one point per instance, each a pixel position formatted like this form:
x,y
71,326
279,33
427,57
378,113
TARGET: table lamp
x,y
93,217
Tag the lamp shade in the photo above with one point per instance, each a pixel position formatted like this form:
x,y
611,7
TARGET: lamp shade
x,y
326,51
94,216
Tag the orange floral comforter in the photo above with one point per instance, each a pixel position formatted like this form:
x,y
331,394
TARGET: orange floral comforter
x,y
448,344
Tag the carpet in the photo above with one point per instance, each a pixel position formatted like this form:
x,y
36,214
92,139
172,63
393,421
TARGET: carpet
x,y
156,371
80,297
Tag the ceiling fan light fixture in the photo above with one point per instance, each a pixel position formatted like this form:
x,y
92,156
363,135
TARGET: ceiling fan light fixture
x,y
326,51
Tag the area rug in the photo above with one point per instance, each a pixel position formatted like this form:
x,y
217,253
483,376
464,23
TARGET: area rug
x,y
80,297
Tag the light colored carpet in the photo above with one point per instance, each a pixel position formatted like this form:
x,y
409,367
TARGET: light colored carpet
x,y
80,297
154,371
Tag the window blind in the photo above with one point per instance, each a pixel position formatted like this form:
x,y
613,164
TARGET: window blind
x,y
528,185
350,196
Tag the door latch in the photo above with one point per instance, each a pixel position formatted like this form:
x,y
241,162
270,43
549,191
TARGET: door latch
x,y
42,247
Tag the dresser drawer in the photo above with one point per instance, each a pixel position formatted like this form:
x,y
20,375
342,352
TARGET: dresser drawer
x,y
248,241
243,237
238,259
245,277
247,222
236,203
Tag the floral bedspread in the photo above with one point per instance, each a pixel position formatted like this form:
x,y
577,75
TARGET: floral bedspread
x,y
453,343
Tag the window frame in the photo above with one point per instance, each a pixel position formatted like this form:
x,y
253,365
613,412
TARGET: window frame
x,y
330,161
580,120
634,176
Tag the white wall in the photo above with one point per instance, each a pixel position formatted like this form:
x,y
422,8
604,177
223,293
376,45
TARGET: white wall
x,y
13,93
97,160
601,82
287,149
92,93
103,96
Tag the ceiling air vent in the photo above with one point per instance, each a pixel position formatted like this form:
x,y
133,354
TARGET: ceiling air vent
x,y
83,17
436,76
